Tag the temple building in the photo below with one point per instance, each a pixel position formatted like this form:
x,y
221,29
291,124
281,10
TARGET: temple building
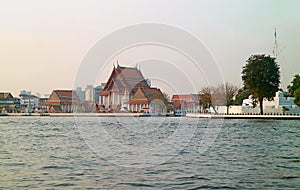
x,y
63,101
128,90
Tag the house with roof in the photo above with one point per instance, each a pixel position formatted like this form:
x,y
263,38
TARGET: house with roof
x,y
150,99
128,90
186,102
63,101
8,103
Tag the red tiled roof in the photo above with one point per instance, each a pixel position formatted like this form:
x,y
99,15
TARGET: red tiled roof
x,y
154,93
130,72
186,97
125,78
64,93
138,102
182,96
64,97
47,103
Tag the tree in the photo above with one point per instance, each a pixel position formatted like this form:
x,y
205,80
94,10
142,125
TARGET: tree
x,y
205,97
241,95
295,84
223,94
212,96
297,97
230,91
261,76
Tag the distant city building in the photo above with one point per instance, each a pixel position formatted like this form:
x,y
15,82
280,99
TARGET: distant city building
x,y
89,93
25,92
8,103
97,90
29,102
63,101
80,93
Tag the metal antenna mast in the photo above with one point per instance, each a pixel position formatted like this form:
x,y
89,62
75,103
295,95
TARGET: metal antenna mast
x,y
275,50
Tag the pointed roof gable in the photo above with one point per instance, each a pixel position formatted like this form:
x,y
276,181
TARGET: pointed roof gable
x,y
153,93
121,78
6,95
146,95
63,96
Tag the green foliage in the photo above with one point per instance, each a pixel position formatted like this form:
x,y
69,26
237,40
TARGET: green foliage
x,y
295,84
297,96
261,76
241,95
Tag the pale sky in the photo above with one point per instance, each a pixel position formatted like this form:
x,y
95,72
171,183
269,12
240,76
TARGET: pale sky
x,y
42,43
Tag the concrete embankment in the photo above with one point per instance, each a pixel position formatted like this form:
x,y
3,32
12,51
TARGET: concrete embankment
x,y
75,114
213,116
95,114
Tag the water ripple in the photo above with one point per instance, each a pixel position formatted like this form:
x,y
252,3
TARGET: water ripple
x,y
50,153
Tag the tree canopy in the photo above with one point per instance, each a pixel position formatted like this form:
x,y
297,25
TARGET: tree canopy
x,y
261,76
297,97
295,84
241,95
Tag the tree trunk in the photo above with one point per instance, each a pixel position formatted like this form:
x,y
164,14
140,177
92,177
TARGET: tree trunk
x,y
227,110
261,106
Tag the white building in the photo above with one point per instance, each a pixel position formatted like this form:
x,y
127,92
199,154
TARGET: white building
x,y
279,105
29,101
89,93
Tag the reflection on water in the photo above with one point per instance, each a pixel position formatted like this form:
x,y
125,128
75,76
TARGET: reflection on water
x,y
41,153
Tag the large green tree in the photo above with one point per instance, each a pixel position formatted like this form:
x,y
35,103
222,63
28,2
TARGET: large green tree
x,y
295,84
261,76
297,97
241,95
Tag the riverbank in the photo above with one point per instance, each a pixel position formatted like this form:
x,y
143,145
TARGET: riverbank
x,y
213,116
75,114
188,115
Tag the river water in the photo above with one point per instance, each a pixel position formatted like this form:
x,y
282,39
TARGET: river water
x,y
148,153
